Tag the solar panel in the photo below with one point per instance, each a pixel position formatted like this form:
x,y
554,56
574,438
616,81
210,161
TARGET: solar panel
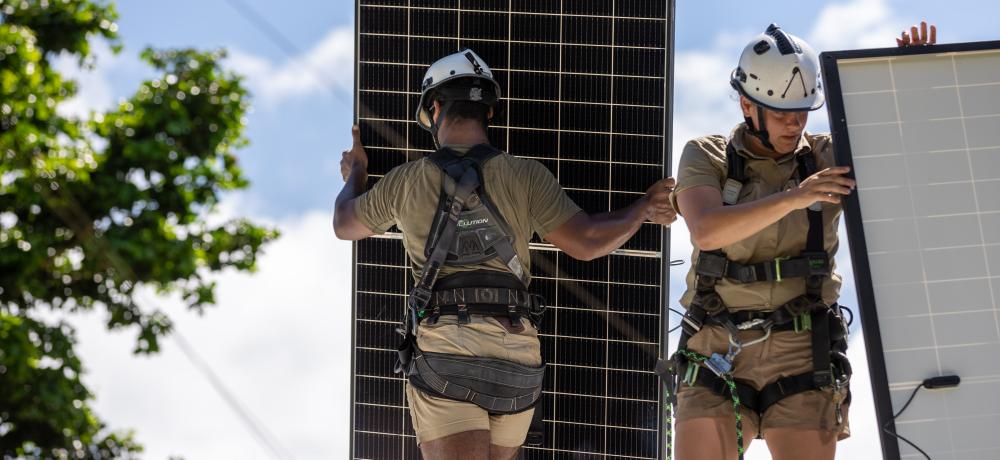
x,y
921,128
586,93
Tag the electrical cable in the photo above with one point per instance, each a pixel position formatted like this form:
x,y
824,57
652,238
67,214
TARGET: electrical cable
x,y
678,325
885,427
257,429
944,381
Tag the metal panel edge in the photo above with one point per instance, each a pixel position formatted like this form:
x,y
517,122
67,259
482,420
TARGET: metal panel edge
x,y
907,51
668,102
354,244
859,257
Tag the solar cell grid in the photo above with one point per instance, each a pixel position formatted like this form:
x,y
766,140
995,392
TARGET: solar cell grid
x,y
920,128
584,87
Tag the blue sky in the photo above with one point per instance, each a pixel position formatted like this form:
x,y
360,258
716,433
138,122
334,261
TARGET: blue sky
x,y
280,338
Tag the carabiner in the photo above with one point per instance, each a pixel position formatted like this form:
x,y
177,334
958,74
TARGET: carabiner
x,y
741,345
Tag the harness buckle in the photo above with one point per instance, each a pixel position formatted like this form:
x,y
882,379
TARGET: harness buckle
x,y
802,322
432,317
691,374
690,324
463,314
818,262
777,267
824,379
420,298
515,317
731,191
712,264
711,303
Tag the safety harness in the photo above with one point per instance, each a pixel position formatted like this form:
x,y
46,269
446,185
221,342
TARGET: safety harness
x,y
807,312
468,230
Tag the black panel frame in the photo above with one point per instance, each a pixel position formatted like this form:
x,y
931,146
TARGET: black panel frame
x,y
855,228
651,385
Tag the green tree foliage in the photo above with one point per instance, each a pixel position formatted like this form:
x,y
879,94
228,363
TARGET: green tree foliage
x,y
93,209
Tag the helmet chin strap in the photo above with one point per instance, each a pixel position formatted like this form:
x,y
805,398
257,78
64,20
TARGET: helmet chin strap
x,y
436,124
762,132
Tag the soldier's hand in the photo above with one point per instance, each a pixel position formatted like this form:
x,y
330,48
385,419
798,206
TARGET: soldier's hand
x,y
918,37
659,209
828,185
355,158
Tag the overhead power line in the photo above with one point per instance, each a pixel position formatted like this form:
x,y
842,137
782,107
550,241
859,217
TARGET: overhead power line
x,y
258,430
292,52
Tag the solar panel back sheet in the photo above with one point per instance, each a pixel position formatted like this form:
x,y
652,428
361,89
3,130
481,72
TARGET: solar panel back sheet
x,y
585,92
921,129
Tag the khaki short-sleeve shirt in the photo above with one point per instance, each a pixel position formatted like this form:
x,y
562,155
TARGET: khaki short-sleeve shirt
x,y
527,195
703,163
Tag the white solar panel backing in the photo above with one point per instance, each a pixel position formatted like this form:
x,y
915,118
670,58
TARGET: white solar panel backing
x,y
921,129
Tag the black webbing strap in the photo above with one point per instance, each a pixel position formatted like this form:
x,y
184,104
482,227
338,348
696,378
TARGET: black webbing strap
x,y
515,313
468,183
454,165
497,386
822,374
735,175
716,264
735,164
759,401
814,238
421,293
821,344
483,295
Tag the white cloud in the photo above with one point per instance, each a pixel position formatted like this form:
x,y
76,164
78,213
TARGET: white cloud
x,y
855,24
279,339
327,66
705,103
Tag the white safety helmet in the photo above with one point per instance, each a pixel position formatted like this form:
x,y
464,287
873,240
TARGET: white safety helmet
x,y
779,71
478,85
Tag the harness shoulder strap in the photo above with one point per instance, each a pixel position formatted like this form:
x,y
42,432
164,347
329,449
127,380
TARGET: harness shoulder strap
x,y
420,295
736,175
814,240
454,166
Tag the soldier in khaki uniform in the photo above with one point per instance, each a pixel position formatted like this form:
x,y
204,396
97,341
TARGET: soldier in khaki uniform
x,y
457,101
756,227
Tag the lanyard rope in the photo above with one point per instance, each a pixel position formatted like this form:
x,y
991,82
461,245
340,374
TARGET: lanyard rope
x,y
697,359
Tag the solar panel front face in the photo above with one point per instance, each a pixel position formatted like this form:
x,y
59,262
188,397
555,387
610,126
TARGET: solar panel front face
x,y
585,92
921,129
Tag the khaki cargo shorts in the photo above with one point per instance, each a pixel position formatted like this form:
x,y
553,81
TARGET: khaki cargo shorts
x,y
483,336
784,354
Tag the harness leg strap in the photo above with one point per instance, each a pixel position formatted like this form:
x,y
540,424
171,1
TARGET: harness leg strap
x,y
822,374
